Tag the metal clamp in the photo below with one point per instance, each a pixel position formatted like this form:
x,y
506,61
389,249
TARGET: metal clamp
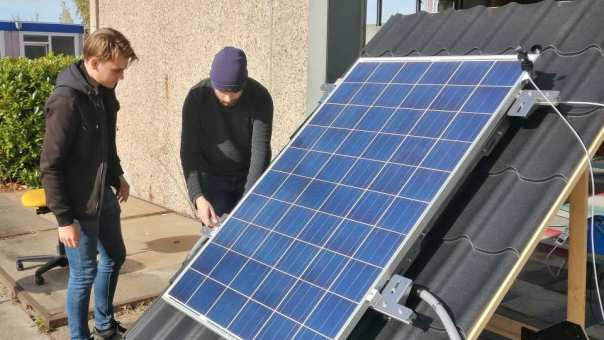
x,y
389,301
528,100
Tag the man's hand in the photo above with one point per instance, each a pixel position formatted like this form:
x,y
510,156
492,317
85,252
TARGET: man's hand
x,y
70,236
205,212
124,191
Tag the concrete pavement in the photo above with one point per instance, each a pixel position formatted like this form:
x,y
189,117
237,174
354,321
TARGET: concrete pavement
x,y
14,322
157,241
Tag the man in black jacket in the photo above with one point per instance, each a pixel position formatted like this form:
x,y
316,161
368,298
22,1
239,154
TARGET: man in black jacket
x,y
79,165
226,136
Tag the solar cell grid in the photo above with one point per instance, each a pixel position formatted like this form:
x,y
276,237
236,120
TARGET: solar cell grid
x,y
303,248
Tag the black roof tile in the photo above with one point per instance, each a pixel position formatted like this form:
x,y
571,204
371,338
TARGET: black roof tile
x,y
483,218
458,284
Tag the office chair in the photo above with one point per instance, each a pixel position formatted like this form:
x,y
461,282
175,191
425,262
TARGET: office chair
x,y
36,199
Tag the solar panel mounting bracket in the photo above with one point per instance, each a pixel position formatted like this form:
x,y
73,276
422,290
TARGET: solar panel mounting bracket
x,y
528,100
388,302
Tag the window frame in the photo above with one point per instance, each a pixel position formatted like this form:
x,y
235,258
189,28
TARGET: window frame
x,y
49,35
379,15
377,21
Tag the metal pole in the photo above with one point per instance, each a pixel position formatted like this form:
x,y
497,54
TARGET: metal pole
x,y
378,21
94,15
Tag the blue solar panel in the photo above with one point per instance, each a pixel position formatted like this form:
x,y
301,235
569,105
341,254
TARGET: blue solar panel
x,y
346,198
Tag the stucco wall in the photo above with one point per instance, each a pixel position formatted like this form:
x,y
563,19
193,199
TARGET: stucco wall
x,y
176,42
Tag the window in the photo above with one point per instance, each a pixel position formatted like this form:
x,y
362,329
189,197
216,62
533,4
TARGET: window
x,y
27,38
35,51
379,11
37,45
63,45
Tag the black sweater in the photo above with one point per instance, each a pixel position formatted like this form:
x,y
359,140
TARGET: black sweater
x,y
79,156
221,141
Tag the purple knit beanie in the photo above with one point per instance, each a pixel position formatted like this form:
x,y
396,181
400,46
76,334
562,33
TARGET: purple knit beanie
x,y
229,70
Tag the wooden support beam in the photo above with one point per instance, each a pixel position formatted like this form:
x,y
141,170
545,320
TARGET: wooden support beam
x,y
507,327
577,254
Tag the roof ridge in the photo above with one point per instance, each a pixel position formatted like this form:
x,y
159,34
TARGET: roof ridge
x,y
583,114
515,171
572,53
480,51
465,237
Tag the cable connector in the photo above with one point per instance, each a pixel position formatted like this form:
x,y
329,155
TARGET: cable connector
x,y
525,61
561,239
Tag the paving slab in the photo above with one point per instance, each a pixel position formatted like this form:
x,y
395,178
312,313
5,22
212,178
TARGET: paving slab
x,y
136,207
595,332
16,324
17,220
539,299
535,300
156,244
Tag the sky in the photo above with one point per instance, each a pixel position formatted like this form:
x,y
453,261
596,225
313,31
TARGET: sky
x,y
50,10
389,8
47,10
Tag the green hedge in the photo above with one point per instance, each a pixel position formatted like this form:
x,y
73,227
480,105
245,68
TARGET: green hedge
x,y
24,86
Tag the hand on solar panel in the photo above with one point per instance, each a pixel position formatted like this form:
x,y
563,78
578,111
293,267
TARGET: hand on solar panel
x,y
205,212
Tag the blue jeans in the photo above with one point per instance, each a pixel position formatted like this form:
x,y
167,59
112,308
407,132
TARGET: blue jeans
x,y
102,234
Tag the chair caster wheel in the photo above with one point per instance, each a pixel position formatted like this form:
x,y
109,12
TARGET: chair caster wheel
x,y
39,280
19,266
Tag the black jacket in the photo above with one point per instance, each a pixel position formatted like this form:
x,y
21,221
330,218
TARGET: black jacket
x,y
79,155
222,141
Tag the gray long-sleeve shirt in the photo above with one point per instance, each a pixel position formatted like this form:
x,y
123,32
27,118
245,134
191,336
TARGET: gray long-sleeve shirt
x,y
225,141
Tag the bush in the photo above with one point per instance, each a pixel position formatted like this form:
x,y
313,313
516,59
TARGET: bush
x,y
24,86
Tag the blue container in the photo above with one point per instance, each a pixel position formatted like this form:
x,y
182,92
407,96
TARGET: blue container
x,y
598,234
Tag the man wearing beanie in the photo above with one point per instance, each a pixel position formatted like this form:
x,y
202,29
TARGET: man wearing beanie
x,y
226,136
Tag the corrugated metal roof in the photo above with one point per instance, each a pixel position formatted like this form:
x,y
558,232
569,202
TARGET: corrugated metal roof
x,y
480,235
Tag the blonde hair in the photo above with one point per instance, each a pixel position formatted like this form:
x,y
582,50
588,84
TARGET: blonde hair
x,y
106,43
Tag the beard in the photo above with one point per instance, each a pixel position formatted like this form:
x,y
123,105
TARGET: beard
x,y
229,104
